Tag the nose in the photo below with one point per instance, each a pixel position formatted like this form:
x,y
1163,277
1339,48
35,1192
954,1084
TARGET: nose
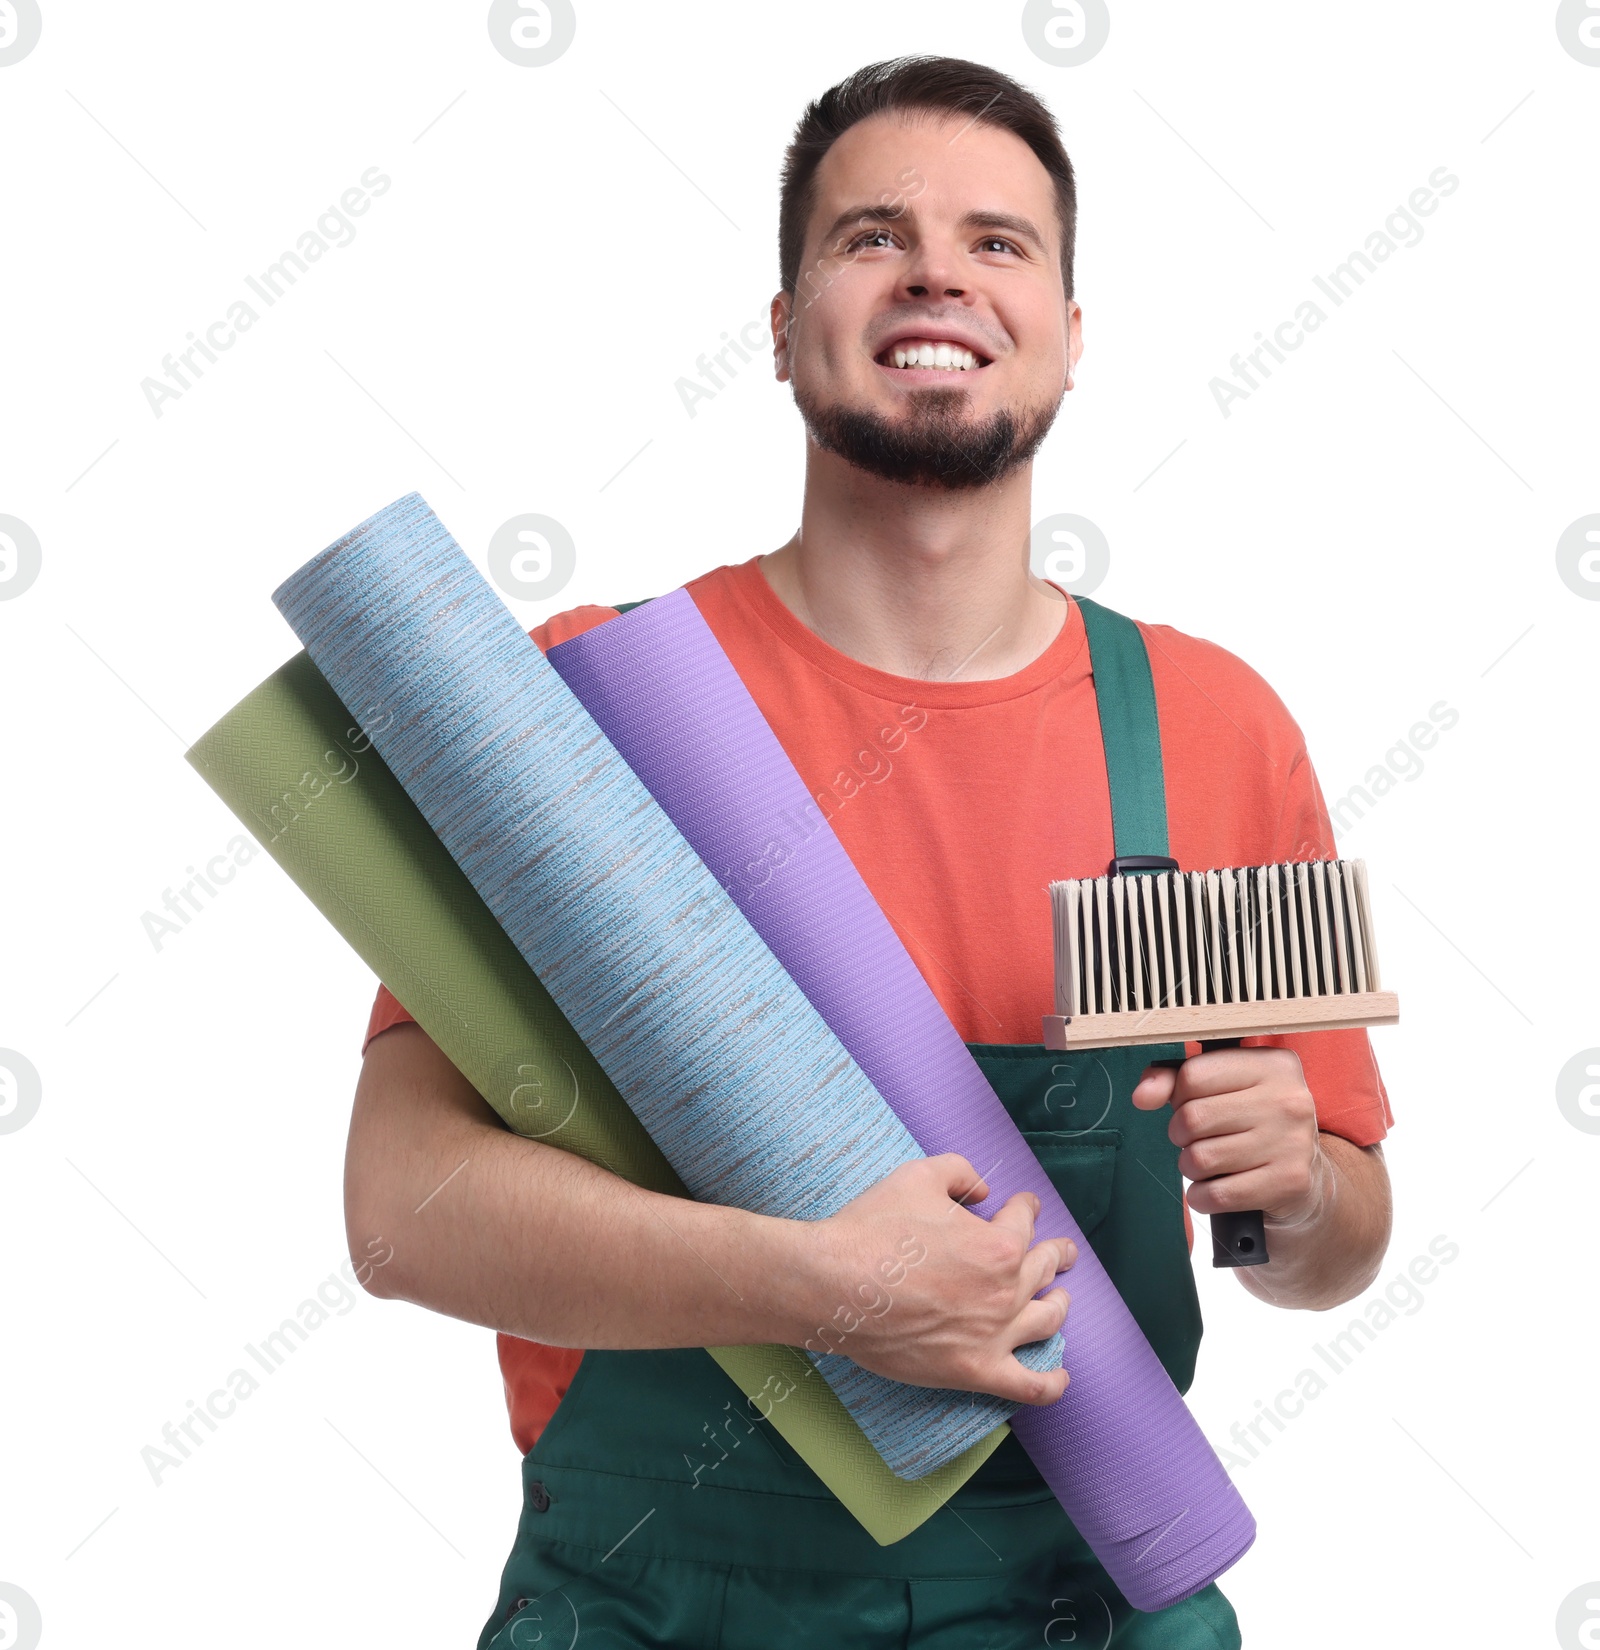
x,y
929,273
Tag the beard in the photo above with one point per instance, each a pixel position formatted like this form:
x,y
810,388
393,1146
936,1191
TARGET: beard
x,y
934,444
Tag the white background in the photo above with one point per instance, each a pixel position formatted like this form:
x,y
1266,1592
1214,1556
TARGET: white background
x,y
1373,530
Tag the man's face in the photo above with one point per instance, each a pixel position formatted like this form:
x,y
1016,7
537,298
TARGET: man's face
x,y
930,230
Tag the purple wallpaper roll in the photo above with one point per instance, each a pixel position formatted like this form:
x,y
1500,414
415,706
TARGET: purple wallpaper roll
x,y
1120,1449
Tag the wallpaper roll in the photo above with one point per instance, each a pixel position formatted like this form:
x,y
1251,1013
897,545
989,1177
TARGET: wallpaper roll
x,y
750,1097
291,763
1120,1448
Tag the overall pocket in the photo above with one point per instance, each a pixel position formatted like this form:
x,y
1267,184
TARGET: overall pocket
x,y
1082,1166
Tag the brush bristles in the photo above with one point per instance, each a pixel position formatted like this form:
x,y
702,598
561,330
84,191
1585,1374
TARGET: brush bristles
x,y
1186,938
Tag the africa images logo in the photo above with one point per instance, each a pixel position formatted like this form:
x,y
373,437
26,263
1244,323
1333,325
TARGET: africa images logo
x,y
1578,30
20,1093
20,26
1066,33
532,557
20,556
20,1623
1577,557
531,33
1578,1619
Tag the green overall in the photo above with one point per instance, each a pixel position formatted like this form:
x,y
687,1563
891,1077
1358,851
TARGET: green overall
x,y
661,1509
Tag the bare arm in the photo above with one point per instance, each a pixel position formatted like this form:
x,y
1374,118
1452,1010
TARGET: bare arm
x,y
1331,1252
531,1240
1247,1126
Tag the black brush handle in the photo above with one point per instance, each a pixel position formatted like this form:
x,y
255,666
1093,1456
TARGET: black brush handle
x,y
1238,1238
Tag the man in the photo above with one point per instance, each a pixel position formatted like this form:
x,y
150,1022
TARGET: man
x,y
940,703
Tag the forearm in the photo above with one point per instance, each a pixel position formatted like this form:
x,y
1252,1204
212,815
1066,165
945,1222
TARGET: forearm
x,y
1335,1251
522,1237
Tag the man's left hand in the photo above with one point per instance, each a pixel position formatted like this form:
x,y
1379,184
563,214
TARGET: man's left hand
x,y
1246,1126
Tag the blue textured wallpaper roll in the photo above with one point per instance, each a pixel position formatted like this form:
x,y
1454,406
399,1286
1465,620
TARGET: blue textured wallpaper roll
x,y
749,1095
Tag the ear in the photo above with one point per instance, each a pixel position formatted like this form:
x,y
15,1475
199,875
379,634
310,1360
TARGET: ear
x,y
1074,337
782,326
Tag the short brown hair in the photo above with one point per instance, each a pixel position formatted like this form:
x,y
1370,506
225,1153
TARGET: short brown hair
x,y
950,85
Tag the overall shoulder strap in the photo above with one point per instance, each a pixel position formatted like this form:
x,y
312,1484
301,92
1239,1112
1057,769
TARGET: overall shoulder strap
x,y
627,607
1126,697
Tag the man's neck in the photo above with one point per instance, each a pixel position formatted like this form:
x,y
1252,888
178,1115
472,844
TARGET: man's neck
x,y
917,581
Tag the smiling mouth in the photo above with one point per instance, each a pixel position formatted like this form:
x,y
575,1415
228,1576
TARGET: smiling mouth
x,y
931,356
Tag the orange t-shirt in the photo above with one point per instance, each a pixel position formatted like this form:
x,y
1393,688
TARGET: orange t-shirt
x,y
960,802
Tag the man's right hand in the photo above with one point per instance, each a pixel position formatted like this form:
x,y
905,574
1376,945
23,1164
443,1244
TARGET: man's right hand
x,y
537,1242
914,1286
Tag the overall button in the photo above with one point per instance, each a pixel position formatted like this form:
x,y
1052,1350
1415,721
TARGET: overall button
x,y
538,1496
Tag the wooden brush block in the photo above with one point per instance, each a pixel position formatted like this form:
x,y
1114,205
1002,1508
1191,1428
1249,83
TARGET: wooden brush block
x,y
1191,1024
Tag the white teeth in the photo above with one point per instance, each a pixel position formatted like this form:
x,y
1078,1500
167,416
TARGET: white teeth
x,y
949,357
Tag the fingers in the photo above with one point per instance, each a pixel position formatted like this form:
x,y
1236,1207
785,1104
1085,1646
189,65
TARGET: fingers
x,y
1044,1259
1040,1319
1051,1388
1233,1070
1220,1071
1047,1258
1037,1321
1018,1384
1155,1087
1205,1075
1010,1379
1019,1213
1205,1119
959,1179
1207,1156
1030,1386
1253,1189
1279,1117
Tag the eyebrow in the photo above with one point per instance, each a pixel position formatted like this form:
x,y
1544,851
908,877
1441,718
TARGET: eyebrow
x,y
982,218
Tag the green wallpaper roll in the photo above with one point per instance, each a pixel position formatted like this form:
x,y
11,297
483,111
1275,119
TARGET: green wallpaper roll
x,y
295,766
